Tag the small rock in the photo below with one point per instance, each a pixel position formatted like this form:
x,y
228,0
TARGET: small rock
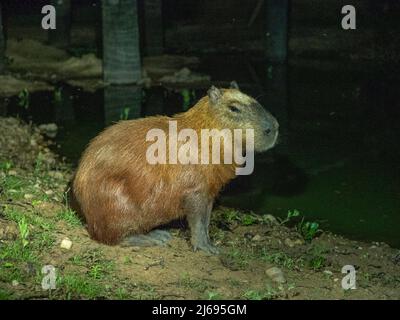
x,y
257,237
8,231
33,142
30,269
249,235
66,244
49,192
299,242
328,272
14,283
270,218
290,243
396,258
49,129
28,196
12,173
276,275
56,174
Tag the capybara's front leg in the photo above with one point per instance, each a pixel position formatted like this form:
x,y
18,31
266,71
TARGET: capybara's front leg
x,y
198,208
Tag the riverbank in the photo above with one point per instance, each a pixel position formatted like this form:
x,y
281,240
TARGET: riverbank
x,y
262,257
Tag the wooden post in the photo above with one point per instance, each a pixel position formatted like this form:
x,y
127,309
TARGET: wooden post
x,y
2,44
277,12
121,54
61,36
154,36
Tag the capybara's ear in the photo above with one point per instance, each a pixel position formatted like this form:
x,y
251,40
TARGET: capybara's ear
x,y
234,85
214,94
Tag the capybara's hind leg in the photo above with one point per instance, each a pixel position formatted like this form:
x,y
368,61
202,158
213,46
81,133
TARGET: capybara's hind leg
x,y
153,238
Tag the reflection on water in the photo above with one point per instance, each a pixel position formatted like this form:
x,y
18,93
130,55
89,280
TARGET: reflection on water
x,y
338,156
122,103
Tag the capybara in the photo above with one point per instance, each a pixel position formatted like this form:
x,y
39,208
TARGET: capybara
x,y
123,196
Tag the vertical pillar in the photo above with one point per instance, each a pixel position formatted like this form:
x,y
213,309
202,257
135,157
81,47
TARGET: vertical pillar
x,y
277,20
61,36
121,54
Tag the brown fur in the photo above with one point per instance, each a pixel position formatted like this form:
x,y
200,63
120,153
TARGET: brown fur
x,y
120,193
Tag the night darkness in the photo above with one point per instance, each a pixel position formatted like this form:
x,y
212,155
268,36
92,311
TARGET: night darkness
x,y
84,213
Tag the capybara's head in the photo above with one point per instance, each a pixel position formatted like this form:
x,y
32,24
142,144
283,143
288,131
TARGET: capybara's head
x,y
236,110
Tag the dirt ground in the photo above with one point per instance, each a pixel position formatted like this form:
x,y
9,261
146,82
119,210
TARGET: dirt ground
x,y
261,257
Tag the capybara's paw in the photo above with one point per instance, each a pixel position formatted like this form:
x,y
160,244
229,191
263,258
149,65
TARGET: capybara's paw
x,y
153,238
206,247
161,235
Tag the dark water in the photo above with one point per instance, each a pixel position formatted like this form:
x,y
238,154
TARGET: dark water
x,y
338,159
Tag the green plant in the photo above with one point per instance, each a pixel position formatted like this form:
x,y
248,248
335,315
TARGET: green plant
x,y
249,219
268,293
245,219
308,230
125,113
186,98
316,257
39,164
238,258
213,295
317,262
23,228
58,95
5,295
23,98
6,165
70,217
96,271
283,260
122,294
77,286
101,269
290,215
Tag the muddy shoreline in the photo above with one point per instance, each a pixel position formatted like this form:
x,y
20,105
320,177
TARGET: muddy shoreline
x,y
262,257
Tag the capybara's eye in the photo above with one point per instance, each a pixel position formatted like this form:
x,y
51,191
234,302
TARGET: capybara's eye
x,y
234,109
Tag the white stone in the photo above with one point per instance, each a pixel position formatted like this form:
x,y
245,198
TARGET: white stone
x,y
276,275
66,244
